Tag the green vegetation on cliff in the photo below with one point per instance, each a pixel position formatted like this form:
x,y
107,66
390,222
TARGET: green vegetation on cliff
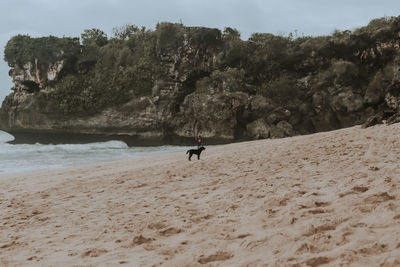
x,y
308,83
22,49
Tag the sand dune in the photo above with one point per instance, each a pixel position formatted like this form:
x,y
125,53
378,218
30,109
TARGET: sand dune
x,y
325,199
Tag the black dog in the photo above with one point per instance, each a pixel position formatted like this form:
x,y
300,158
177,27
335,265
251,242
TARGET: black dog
x,y
195,151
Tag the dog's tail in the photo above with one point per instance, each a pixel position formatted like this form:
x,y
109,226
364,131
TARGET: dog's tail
x,y
187,152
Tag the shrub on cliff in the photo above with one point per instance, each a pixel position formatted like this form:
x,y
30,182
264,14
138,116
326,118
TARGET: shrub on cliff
x,y
94,37
110,72
344,72
379,85
230,34
22,49
18,50
75,96
281,90
169,36
177,60
377,24
230,80
205,36
125,32
92,41
267,56
235,54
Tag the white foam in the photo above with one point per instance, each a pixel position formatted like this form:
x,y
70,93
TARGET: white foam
x,y
26,157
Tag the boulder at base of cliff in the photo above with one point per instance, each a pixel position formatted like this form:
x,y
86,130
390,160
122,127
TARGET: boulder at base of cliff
x,y
279,114
347,101
346,107
393,119
210,115
286,127
392,97
259,105
373,120
258,129
282,129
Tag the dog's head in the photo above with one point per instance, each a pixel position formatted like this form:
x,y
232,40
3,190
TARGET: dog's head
x,y
202,148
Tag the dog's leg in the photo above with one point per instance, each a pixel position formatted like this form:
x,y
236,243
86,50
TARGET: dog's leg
x,y
190,156
198,156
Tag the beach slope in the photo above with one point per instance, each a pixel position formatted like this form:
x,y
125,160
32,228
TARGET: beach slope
x,y
324,199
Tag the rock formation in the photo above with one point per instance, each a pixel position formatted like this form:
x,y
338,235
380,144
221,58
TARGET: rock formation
x,y
177,82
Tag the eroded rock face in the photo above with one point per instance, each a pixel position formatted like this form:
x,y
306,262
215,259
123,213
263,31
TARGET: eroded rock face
x,y
26,78
33,76
206,87
171,109
392,97
347,101
54,70
260,105
211,116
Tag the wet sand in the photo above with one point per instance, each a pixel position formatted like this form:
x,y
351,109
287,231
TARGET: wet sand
x,y
325,199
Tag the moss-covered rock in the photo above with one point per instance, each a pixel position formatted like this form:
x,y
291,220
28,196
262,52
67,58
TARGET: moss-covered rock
x,y
177,81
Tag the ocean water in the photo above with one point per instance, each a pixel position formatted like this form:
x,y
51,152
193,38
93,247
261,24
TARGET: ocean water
x,y
25,157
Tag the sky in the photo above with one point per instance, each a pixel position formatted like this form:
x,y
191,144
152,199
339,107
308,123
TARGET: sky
x,y
72,17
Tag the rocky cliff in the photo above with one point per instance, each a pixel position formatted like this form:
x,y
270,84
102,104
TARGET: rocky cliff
x,y
176,82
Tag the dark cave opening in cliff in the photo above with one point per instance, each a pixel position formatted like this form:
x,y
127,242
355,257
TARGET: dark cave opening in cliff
x,y
31,86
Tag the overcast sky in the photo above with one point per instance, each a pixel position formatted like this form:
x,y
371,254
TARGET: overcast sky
x,y
71,17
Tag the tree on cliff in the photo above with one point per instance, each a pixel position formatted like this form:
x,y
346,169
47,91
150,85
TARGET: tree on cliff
x,y
22,49
94,37
316,79
125,32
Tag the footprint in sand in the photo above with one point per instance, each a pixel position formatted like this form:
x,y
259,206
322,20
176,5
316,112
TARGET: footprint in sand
x,y
139,240
396,217
13,244
378,198
312,230
254,243
171,251
318,211
321,203
354,190
33,258
156,225
94,252
240,236
305,248
359,225
218,256
170,231
317,261
373,249
197,219
360,189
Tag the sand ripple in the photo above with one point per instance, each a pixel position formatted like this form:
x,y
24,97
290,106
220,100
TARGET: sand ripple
x,y
324,199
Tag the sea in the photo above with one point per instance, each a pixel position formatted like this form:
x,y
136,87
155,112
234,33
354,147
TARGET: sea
x,y
18,158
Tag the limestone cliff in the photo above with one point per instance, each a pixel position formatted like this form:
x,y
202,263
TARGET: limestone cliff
x,y
168,85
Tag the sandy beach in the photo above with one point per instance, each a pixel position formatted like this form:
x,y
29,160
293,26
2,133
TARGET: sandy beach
x,y
329,199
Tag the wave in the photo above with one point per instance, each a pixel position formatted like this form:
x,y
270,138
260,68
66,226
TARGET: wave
x,y
5,137
16,158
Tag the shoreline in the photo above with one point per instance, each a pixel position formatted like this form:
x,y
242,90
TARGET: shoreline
x,y
63,137
70,162
328,198
90,139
